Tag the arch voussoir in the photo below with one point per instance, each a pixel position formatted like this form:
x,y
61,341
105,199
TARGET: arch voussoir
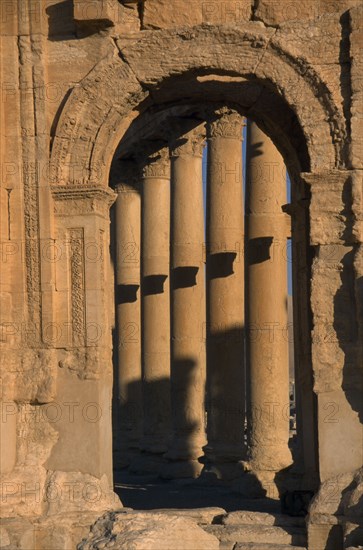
x,y
106,101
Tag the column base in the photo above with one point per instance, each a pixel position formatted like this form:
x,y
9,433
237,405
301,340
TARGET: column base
x,y
147,463
257,485
181,469
264,458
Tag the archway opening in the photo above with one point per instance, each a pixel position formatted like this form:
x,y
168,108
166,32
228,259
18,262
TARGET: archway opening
x,y
154,161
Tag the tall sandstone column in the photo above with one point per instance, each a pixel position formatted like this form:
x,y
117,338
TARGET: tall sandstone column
x,y
266,308
188,369
128,305
225,297
155,297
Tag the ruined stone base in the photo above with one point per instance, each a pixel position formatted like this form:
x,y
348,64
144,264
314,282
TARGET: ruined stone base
x,y
148,530
58,532
335,518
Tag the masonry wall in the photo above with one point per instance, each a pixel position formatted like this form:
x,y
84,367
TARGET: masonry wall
x,y
57,310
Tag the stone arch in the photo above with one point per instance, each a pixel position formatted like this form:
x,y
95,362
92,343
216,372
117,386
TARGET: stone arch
x,y
252,58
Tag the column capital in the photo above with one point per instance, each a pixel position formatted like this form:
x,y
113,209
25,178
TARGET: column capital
x,y
225,122
156,164
126,176
187,143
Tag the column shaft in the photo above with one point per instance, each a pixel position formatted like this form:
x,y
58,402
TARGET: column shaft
x,y
266,296
225,294
155,265
187,307
128,305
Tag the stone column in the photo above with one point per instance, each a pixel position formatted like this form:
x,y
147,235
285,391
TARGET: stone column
x,y
266,308
225,297
128,306
155,297
187,306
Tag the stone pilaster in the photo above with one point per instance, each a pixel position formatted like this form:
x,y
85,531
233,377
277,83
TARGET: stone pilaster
x,y
225,296
84,347
188,367
155,297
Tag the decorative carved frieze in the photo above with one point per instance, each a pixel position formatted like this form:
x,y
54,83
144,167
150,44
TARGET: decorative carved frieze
x,y
78,304
32,256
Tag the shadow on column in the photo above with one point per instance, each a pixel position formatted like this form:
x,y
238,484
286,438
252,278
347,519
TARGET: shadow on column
x,y
221,264
153,284
184,277
259,250
126,294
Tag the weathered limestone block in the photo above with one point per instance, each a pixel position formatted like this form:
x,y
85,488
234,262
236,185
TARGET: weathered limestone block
x,y
261,518
17,534
336,513
29,375
62,531
319,43
258,534
154,66
340,432
203,516
335,331
275,13
356,110
58,532
162,14
60,55
22,490
336,206
123,17
8,420
95,11
82,407
76,492
84,362
147,531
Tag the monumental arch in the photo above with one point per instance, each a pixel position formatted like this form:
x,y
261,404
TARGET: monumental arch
x,y
147,89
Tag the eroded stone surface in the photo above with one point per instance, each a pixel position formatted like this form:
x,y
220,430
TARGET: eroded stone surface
x,y
151,531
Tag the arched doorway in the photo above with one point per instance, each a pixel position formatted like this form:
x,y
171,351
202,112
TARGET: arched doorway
x,y
248,68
